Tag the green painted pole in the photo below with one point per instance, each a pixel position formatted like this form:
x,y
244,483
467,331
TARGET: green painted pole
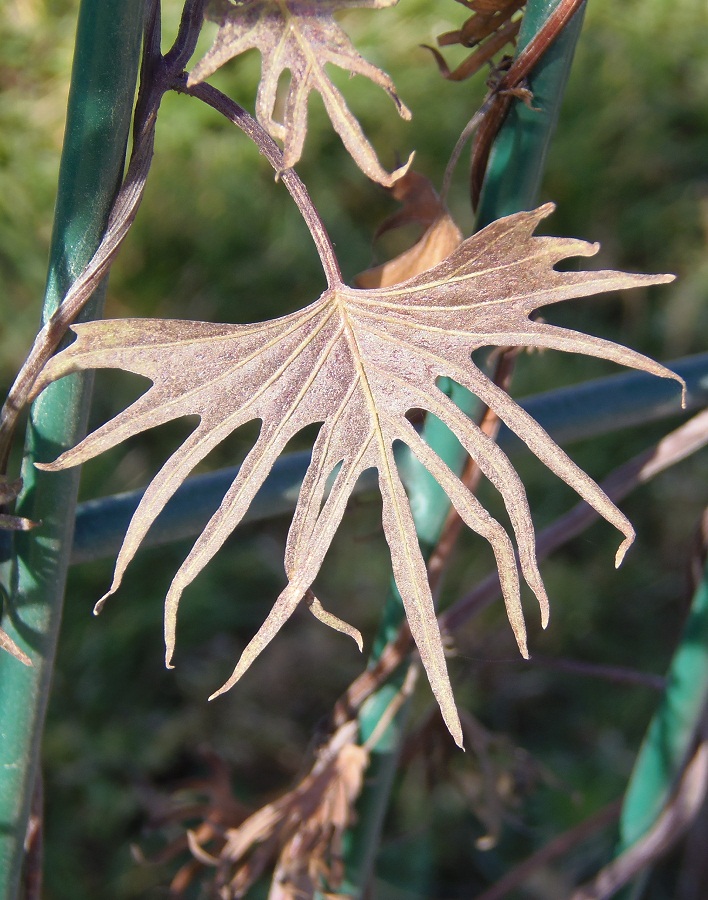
x,y
518,158
671,733
106,61
512,183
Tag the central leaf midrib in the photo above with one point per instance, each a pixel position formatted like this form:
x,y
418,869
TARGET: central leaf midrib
x,y
358,358
324,85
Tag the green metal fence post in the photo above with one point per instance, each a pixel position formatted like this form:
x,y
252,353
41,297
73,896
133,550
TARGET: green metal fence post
x,y
106,61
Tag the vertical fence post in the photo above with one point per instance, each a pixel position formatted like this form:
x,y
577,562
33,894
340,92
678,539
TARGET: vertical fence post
x,y
104,73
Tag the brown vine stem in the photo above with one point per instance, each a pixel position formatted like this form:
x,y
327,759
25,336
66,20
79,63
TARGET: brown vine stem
x,y
158,75
671,825
267,146
555,848
503,92
537,46
466,134
48,339
121,217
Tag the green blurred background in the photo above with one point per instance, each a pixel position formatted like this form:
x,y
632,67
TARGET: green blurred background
x,y
218,239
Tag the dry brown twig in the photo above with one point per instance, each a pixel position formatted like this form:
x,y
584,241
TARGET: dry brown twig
x,y
668,829
511,85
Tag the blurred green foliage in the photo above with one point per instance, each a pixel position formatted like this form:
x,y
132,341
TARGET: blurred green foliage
x,y
218,239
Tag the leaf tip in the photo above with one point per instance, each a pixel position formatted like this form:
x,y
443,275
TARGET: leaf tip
x,y
222,690
684,390
98,608
403,110
321,614
398,173
519,628
454,726
623,548
47,467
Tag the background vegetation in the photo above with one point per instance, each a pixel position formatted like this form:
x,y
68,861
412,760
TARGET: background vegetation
x,y
217,239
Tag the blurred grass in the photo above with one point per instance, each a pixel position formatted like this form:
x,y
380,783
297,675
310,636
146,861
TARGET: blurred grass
x,y
218,239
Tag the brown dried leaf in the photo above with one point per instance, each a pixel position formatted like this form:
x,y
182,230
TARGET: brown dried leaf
x,y
300,832
421,205
438,242
357,361
489,29
302,37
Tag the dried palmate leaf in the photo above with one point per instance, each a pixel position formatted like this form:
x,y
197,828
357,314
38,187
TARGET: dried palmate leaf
x,y
357,361
300,36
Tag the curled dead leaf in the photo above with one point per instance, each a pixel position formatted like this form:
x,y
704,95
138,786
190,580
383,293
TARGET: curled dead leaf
x,y
300,833
438,242
421,206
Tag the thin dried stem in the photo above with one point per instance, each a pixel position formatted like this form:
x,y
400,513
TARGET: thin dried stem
x,y
669,828
267,146
554,849
121,217
615,674
388,715
467,132
510,84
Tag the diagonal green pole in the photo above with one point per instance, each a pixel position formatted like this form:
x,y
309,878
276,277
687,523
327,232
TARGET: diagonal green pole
x,y
673,728
512,183
106,61
671,733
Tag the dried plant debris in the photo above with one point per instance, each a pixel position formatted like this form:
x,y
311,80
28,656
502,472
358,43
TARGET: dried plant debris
x,y
421,206
357,361
492,25
9,646
299,835
300,36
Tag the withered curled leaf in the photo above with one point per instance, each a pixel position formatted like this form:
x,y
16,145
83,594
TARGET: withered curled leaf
x,y
422,206
357,361
300,36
